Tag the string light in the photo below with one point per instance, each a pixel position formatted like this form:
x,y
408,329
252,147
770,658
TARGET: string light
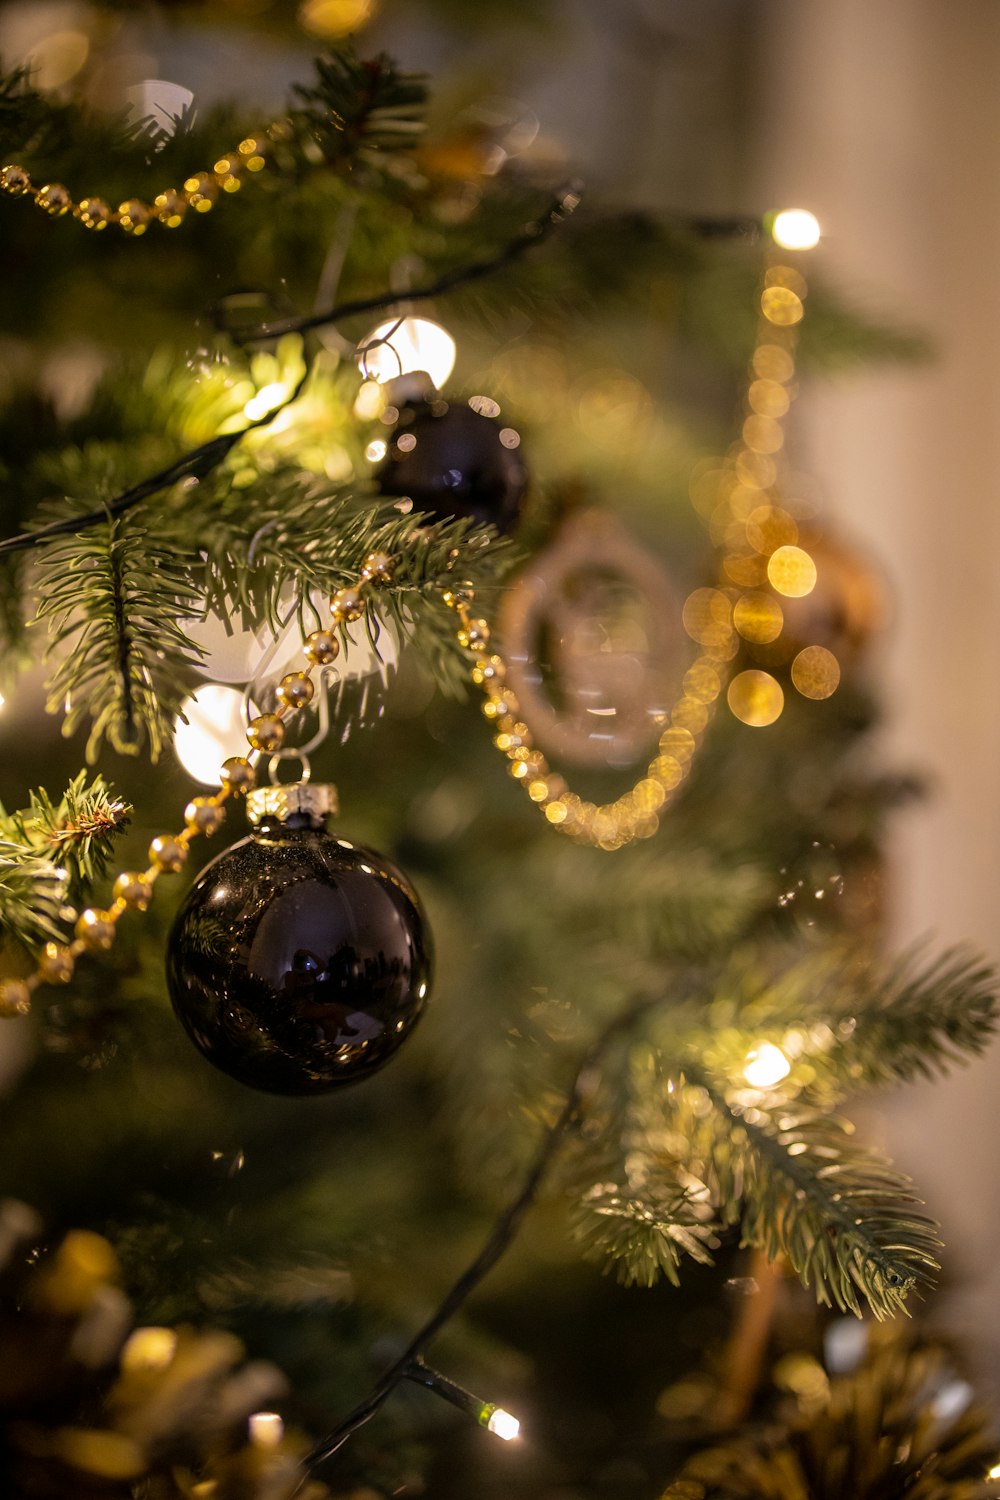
x,y
266,1429
214,730
765,1065
148,1349
267,399
404,346
795,229
503,1424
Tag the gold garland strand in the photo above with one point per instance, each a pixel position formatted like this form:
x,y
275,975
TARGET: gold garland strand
x,y
134,216
133,890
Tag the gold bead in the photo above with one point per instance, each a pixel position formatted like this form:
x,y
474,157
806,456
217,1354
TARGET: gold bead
x,y
56,964
266,732
55,199
204,815
167,853
295,690
474,636
347,604
500,706
253,151
134,890
238,774
202,191
15,998
95,929
94,213
321,647
460,596
134,216
15,179
378,565
170,206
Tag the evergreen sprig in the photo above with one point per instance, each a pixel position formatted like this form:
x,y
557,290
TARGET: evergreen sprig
x,y
110,599
32,894
361,110
76,831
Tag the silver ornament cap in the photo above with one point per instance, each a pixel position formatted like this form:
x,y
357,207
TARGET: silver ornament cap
x,y
317,799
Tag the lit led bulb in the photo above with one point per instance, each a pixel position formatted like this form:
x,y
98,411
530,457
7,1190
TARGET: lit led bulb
x,y
215,729
403,346
765,1066
266,1429
267,399
503,1425
795,229
148,1349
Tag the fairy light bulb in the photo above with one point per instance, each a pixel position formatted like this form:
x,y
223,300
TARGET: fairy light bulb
x,y
765,1065
795,229
503,1425
215,729
266,1429
267,399
148,1349
404,346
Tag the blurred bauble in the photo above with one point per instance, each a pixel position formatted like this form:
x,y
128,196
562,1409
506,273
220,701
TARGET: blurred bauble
x,y
594,651
847,607
451,460
298,961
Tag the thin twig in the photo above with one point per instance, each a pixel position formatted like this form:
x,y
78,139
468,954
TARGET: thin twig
x,y
496,1244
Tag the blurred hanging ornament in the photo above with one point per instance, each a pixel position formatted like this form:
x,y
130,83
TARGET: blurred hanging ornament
x,y
591,654
298,961
407,346
453,459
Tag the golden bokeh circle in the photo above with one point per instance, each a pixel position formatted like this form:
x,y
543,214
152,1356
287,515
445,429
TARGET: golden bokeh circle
x,y
781,306
791,572
758,618
755,698
816,672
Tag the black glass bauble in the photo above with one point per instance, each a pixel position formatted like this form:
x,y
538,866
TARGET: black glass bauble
x,y
299,961
453,461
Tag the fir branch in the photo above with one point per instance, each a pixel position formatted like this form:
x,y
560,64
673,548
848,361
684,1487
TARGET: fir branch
x,y
32,894
78,831
847,1221
360,110
111,599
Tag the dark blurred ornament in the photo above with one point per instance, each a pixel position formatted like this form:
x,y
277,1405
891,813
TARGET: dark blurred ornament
x,y
298,961
453,461
845,609
594,650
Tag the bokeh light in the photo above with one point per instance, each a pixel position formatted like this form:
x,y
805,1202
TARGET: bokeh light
x,y
816,672
755,698
795,229
758,617
792,572
765,1065
215,729
403,346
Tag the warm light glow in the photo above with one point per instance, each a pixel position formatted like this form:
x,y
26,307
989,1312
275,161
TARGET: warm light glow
x,y
765,1066
334,18
149,1349
403,346
994,1473
755,698
503,1425
795,229
215,729
791,572
816,672
266,1429
268,398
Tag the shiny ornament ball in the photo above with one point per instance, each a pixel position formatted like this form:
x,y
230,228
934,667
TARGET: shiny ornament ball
x,y
453,461
298,961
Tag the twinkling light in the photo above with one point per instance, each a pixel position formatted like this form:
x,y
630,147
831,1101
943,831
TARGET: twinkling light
x,y
266,1429
215,729
755,698
795,229
404,346
791,572
503,1425
334,18
268,398
765,1065
149,1349
994,1473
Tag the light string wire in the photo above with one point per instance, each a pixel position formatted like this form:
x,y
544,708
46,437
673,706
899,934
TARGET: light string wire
x,y
497,1242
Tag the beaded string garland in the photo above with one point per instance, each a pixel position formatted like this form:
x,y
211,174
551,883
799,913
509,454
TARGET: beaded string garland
x,y
754,555
200,191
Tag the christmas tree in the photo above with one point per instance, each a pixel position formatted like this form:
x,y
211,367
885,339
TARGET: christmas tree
x,y
588,667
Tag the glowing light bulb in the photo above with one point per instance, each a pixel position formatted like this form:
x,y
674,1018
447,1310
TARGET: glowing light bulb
x,y
765,1065
994,1473
149,1349
503,1425
215,729
795,229
266,1429
405,345
268,398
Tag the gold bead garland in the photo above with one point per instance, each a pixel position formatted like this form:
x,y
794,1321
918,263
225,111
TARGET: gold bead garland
x,y
95,928
200,191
